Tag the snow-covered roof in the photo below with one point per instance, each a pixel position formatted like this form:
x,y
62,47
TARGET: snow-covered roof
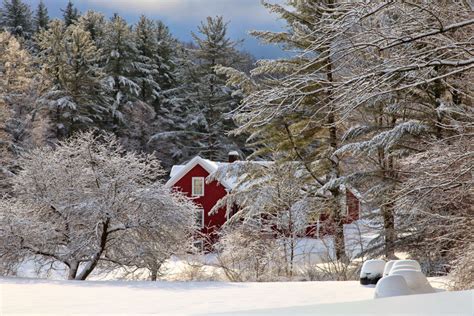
x,y
228,179
179,171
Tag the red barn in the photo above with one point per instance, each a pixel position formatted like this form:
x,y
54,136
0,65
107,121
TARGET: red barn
x,y
190,179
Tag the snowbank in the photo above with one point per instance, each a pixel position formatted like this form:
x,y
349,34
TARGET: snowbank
x,y
167,298
444,303
203,298
393,285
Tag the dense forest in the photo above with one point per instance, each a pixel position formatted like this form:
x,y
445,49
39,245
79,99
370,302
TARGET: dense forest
x,y
376,96
135,81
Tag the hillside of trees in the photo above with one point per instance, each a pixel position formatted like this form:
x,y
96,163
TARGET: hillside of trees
x,y
136,81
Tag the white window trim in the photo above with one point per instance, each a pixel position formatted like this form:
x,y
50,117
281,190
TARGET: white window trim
x,y
201,210
203,186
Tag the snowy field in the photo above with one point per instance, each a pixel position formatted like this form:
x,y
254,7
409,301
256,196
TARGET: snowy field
x,y
29,296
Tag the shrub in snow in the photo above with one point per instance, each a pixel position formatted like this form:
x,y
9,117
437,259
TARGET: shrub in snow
x,y
412,263
394,285
404,267
388,267
372,271
462,275
416,281
247,254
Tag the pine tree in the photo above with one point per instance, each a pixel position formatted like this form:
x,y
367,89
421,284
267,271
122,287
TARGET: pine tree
x,y
185,72
147,70
15,17
289,105
15,84
70,14
121,56
213,100
42,18
402,103
70,59
5,150
15,66
176,127
94,23
168,52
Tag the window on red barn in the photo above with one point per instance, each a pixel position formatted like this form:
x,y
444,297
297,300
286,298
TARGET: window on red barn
x,y
198,186
200,218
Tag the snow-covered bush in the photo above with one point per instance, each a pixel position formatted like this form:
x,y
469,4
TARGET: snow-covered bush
x,y
462,275
394,285
388,267
330,270
247,254
372,271
406,267
415,280
195,270
87,202
410,263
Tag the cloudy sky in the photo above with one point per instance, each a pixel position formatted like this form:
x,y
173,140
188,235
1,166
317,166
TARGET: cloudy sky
x,y
183,16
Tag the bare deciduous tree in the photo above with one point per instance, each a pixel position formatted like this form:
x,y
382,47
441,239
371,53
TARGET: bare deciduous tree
x,y
89,200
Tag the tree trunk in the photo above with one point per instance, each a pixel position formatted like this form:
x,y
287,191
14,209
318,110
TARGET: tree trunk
x,y
292,255
389,230
339,242
388,211
95,259
73,267
154,275
154,272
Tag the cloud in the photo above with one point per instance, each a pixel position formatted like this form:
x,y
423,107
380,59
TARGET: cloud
x,y
192,9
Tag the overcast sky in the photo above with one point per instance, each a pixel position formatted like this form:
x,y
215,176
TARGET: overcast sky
x,y
183,16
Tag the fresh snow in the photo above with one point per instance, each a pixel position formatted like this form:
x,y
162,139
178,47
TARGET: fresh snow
x,y
202,298
445,303
184,298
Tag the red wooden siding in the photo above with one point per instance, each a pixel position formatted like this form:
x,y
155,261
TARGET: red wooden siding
x,y
353,207
213,192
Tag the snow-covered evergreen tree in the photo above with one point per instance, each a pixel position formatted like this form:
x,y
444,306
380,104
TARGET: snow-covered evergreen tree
x,y
15,65
121,56
146,40
191,89
5,150
94,23
70,14
41,17
168,53
70,59
15,17
213,99
15,87
395,98
289,103
176,128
